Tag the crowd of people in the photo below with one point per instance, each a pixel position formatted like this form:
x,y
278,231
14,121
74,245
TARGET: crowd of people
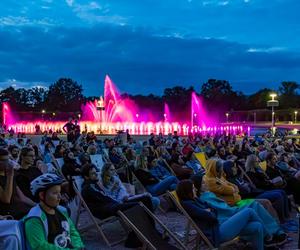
x,y
246,188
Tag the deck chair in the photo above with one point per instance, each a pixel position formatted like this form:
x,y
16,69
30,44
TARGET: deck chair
x,y
263,165
60,162
96,223
201,157
168,167
97,160
190,222
138,219
105,152
11,235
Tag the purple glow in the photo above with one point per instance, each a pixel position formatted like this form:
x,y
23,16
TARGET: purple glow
x,y
112,113
198,114
7,114
116,109
167,113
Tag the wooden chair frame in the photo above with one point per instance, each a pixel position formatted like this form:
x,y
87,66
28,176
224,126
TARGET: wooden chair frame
x,y
146,243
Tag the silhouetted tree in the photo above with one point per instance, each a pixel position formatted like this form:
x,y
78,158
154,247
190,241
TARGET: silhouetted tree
x,y
259,99
289,97
218,95
64,95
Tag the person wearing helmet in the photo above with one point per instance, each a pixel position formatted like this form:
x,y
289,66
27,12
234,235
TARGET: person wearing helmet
x,y
47,225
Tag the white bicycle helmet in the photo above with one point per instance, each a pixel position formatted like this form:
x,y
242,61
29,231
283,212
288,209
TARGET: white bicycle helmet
x,y
43,182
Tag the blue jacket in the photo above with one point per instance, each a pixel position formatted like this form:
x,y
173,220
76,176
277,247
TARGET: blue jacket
x,y
206,221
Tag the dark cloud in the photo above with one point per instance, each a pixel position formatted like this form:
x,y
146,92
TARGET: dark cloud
x,y
138,60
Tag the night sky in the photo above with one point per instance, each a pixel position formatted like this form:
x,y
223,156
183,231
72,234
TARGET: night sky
x,y
148,45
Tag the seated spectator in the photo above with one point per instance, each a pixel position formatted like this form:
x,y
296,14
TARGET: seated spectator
x,y
154,185
290,184
178,166
116,189
12,200
47,225
219,185
92,149
194,164
14,155
100,204
70,167
277,197
117,159
244,223
84,158
11,140
48,150
258,176
224,211
284,166
3,143
27,172
59,151
77,149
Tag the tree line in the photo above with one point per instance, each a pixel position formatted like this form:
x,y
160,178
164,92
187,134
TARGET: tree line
x,y
66,95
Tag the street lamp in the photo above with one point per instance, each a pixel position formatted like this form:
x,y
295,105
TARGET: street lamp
x,y
227,117
101,107
100,104
43,112
165,117
273,103
296,113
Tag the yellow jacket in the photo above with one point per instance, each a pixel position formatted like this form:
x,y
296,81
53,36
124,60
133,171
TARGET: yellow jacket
x,y
220,186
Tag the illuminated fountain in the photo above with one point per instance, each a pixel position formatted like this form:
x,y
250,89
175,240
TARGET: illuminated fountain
x,y
167,113
112,113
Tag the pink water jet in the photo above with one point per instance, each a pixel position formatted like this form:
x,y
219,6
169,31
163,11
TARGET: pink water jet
x,y
199,117
113,113
167,113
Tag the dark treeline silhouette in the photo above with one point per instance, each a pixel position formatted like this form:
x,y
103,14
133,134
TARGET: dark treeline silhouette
x,y
218,96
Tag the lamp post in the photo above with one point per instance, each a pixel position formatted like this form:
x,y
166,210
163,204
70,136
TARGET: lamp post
x,y
227,117
165,117
273,103
296,113
43,112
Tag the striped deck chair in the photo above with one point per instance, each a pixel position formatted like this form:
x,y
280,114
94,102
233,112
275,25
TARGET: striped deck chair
x,y
98,224
201,157
200,236
138,219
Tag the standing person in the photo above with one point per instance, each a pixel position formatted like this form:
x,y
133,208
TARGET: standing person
x,y
76,130
47,225
68,128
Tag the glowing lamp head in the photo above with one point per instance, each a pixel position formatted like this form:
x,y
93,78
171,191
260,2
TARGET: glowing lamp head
x,y
296,112
137,115
43,111
165,115
273,95
227,114
195,115
100,104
